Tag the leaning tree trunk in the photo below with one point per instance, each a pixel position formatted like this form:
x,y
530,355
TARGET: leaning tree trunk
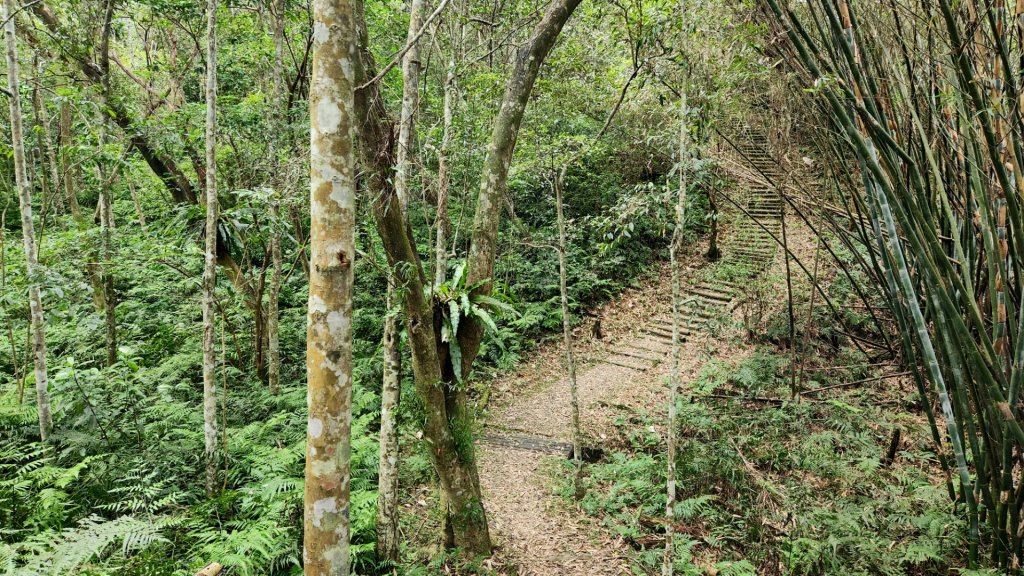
x,y
447,421
494,178
27,229
332,245
210,260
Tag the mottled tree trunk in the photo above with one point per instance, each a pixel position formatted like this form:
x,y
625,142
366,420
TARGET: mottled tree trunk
x,y
387,509
494,178
332,247
210,256
570,358
27,229
391,391
273,313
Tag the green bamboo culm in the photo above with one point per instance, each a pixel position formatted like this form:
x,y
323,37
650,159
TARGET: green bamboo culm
x,y
917,109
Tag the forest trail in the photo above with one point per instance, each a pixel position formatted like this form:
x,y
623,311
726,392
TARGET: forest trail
x,y
527,432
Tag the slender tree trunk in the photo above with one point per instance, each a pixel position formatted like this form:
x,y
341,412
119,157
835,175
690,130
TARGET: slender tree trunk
x,y
210,260
410,101
570,358
105,206
387,510
43,118
387,501
442,221
332,246
139,213
66,167
676,247
273,313
27,230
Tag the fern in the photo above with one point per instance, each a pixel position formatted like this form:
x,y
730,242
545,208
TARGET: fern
x,y
92,539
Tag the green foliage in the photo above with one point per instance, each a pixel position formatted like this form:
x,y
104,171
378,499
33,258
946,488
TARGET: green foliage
x,y
798,487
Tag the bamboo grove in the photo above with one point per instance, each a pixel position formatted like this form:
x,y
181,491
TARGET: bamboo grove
x,y
925,149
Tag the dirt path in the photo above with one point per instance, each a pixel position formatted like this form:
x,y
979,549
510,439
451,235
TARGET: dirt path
x,y
537,532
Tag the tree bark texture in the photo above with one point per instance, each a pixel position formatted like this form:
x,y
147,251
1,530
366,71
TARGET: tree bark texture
x,y
387,472
332,246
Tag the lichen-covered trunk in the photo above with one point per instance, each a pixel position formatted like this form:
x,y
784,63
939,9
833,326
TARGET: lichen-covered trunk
x,y
332,247
27,228
210,255
387,469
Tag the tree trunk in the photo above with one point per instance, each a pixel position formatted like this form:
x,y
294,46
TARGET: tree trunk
x,y
210,260
668,567
139,213
273,313
332,247
447,427
105,207
391,391
570,358
387,509
410,101
27,229
46,136
66,166
442,223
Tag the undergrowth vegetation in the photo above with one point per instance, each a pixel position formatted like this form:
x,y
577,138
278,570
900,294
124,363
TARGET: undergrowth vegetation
x,y
844,480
